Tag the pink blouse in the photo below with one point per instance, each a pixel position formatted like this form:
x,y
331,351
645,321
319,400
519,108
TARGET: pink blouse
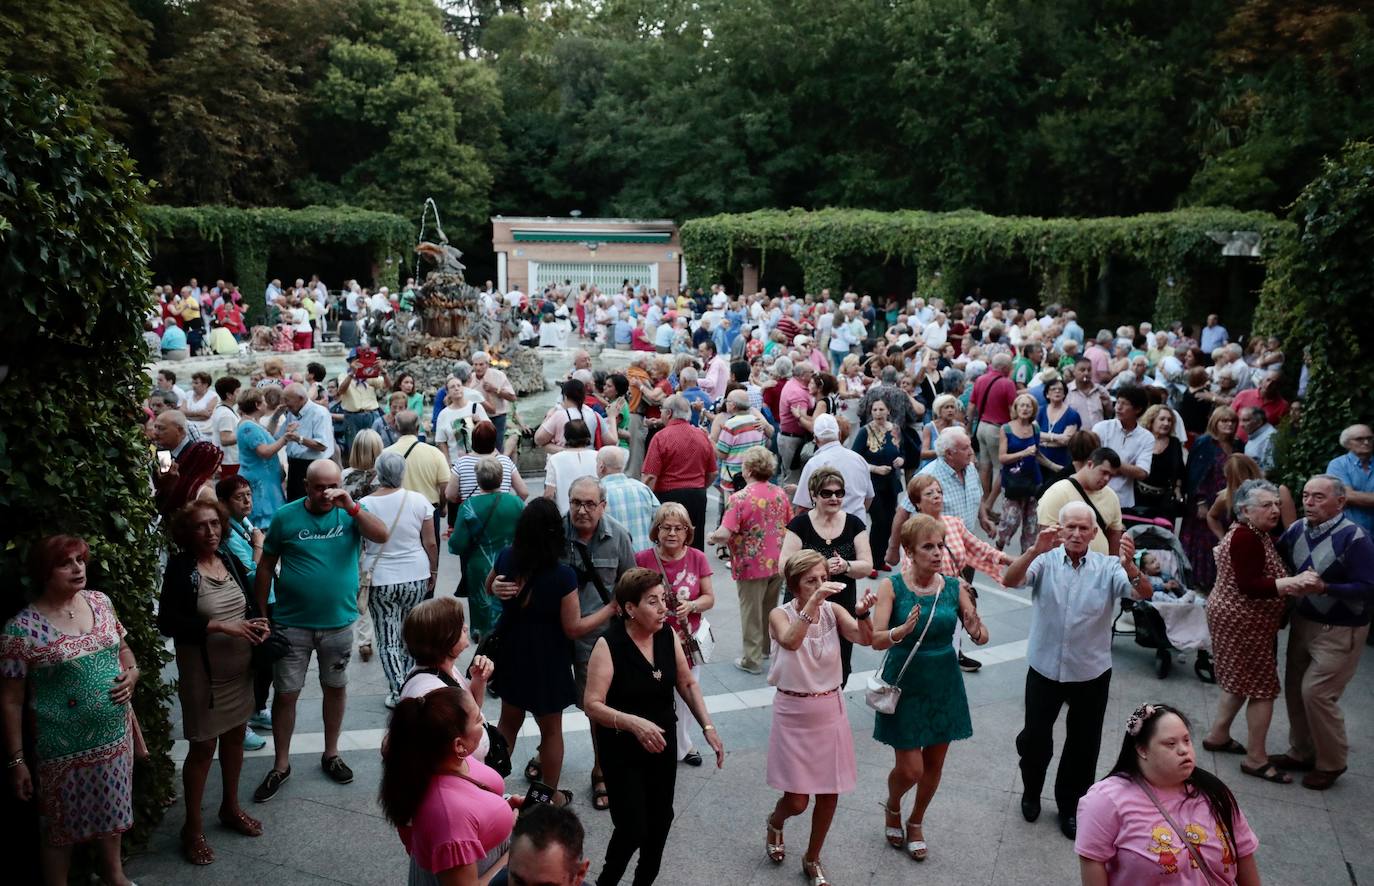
x,y
684,577
458,823
815,665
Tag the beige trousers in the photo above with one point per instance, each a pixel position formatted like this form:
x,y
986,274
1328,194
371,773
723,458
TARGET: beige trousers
x,y
1321,661
757,598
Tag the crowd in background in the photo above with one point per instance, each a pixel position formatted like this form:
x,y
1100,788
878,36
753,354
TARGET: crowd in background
x,y
867,457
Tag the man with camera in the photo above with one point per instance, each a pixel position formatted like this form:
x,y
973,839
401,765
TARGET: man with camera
x,y
358,388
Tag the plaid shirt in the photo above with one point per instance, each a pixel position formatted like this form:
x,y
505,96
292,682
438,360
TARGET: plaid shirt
x,y
633,505
962,496
963,548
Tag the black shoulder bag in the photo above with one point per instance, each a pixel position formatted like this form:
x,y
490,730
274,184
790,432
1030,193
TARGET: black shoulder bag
x,y
1083,494
466,553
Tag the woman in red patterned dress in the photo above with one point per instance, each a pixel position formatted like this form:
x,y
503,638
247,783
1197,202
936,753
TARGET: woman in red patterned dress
x,y
1244,613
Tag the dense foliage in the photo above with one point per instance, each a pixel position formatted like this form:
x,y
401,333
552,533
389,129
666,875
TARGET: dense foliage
x,y
73,457
945,246
1319,297
245,235
683,109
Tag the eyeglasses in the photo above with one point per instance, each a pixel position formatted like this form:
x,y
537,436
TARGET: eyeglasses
x,y
672,527
1364,439
578,505
830,493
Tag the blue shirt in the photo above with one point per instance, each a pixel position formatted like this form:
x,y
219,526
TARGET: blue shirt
x,y
962,494
663,336
1213,337
315,424
1360,478
694,396
633,504
1072,608
173,338
623,328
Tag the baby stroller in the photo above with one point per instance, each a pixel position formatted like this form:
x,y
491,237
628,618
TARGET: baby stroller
x,y
1172,621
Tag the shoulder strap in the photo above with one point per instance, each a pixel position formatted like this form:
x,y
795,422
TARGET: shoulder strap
x,y
591,570
390,529
917,645
410,449
1083,494
444,676
1192,847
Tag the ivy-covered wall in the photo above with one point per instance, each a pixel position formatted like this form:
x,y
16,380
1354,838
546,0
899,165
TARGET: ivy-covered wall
x,y
944,247
247,235
1319,298
73,457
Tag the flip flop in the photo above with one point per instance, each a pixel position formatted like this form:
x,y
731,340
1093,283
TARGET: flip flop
x,y
1231,747
1278,776
601,799
534,771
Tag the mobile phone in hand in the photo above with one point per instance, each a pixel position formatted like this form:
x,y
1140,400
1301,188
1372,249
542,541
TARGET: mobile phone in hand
x,y
538,793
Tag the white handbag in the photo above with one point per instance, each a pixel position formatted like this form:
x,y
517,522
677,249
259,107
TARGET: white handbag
x,y
883,696
706,641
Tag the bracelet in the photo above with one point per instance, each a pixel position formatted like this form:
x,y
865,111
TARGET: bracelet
x,y
867,615
806,618
353,511
709,727
16,760
615,721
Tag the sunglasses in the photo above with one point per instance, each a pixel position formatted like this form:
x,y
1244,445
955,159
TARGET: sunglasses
x,y
830,493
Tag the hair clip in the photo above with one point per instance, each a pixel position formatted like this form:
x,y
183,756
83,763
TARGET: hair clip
x,y
1138,718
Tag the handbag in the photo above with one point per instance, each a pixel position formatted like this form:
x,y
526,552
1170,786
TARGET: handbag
x,y
982,404
691,642
882,696
1198,861
466,553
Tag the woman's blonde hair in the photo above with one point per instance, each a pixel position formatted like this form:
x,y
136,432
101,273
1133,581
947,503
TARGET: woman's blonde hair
x,y
799,564
432,629
917,488
668,511
847,362
941,402
1147,421
367,445
759,463
273,367
1218,415
918,528
1025,395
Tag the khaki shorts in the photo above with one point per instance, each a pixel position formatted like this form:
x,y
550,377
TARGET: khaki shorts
x,y
989,438
333,648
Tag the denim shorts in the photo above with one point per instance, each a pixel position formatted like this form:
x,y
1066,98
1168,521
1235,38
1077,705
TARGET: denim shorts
x,y
333,648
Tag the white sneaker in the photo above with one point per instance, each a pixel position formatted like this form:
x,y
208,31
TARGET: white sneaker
x,y
748,668
392,699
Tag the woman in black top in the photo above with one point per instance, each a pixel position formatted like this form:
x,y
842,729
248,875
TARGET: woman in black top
x,y
1160,495
635,668
838,536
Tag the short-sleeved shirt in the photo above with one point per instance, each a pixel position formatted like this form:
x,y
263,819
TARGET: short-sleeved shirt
x,y
610,553
679,457
565,467
1135,448
963,492
1120,826
1072,608
315,424
225,419
757,518
317,587
1052,500
494,403
794,393
402,558
858,482
458,822
633,505
426,467
361,394
561,415
998,406
454,427
683,576
1360,478
173,338
465,469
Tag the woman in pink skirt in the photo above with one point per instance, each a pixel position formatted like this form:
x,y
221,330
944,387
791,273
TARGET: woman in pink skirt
x,y
810,747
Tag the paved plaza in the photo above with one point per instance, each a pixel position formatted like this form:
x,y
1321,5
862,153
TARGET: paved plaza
x,y
318,832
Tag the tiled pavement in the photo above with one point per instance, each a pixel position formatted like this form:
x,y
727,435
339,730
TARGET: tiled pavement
x,y
319,832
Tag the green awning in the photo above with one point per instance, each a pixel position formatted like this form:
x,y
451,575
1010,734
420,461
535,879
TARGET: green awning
x,y
588,236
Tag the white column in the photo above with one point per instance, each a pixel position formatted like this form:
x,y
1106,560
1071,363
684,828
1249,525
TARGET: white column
x,y
653,277
501,272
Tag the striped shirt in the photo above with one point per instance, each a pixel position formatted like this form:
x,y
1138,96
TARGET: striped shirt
x,y
465,469
738,435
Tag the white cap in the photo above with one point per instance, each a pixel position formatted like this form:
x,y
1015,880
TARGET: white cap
x,y
826,427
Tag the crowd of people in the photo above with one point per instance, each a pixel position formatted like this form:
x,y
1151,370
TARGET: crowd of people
x,y
867,459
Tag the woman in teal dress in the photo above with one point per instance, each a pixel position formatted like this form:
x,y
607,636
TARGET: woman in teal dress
x,y
922,606
485,525
258,462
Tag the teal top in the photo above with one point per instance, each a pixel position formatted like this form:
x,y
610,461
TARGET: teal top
x,y
317,587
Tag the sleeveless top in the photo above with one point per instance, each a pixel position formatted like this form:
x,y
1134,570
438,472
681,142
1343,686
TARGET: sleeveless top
x,y
638,687
815,665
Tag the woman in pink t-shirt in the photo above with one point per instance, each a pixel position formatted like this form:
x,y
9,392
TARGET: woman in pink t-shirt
x,y
1157,818
687,581
447,807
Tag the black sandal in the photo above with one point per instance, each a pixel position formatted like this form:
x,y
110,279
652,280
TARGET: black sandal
x,y
1278,776
534,771
601,800
1231,747
567,798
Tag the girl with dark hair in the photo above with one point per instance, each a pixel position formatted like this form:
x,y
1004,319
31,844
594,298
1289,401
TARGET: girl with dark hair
x,y
1157,815
446,805
539,613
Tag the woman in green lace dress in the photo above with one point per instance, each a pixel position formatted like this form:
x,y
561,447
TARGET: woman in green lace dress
x,y
922,606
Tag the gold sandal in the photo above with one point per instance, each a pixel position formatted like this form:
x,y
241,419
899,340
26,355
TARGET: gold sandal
x,y
893,833
916,848
813,873
773,844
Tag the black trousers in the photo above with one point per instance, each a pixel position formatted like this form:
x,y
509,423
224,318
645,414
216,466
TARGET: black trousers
x,y
694,500
1087,703
641,809
295,477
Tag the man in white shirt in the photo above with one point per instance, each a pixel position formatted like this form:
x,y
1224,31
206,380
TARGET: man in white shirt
x,y
1259,433
514,297
224,425
1129,440
273,290
167,384
937,332
858,482
354,295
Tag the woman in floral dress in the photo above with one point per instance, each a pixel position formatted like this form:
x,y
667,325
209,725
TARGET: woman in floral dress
x,y
66,648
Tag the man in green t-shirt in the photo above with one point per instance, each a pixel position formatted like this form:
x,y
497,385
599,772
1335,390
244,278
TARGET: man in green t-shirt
x,y
316,542
1025,366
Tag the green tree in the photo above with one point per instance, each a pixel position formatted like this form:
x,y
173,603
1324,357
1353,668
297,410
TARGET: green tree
x,y
227,109
74,287
399,114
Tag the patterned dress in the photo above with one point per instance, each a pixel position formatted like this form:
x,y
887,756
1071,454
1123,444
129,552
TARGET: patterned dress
x,y
933,708
1244,627
84,776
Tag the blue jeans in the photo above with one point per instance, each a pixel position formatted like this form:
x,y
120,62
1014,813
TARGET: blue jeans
x,y
500,422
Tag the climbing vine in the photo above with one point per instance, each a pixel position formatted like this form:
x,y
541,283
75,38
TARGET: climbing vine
x,y
73,457
1319,298
945,247
247,235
